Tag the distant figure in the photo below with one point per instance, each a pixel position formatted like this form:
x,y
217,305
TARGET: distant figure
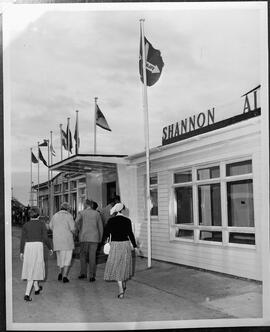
x,y
90,228
63,226
106,211
119,263
34,233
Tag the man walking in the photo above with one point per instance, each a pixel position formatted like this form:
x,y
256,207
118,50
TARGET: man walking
x,y
90,227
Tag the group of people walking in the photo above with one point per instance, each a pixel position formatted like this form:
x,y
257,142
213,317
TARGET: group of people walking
x,y
93,229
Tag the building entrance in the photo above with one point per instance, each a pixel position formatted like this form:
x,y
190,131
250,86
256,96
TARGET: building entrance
x,y
111,191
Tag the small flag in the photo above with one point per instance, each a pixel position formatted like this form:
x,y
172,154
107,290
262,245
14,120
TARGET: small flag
x,y
69,139
45,143
154,63
42,158
76,136
52,150
100,119
64,139
34,159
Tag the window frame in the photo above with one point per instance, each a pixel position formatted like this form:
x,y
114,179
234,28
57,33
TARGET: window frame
x,y
195,183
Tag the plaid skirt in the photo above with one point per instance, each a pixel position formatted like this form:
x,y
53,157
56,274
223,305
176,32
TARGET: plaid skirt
x,y
33,261
119,263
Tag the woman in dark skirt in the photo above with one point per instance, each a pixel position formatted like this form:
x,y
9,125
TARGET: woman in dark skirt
x,y
119,263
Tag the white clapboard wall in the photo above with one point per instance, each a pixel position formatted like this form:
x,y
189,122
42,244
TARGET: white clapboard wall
x,y
241,139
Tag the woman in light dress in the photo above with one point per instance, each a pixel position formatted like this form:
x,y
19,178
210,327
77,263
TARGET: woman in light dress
x,y
63,227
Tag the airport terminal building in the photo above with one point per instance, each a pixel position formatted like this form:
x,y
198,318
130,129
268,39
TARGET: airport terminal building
x,y
205,183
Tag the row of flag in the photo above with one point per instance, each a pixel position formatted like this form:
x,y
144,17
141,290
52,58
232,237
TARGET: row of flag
x,y
153,68
66,138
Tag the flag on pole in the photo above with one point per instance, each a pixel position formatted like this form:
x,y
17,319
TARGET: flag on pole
x,y
52,150
153,61
69,139
76,136
64,140
33,158
42,158
100,119
45,143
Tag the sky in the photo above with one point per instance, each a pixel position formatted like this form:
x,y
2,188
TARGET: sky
x,y
58,58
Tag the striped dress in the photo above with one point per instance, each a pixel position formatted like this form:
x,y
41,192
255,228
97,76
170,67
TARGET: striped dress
x,y
119,263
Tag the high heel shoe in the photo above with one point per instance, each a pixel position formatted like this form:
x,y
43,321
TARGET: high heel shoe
x,y
121,295
39,290
27,298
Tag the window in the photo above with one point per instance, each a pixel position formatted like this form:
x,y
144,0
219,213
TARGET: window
x,y
209,204
57,188
184,210
73,185
82,181
242,167
214,204
65,184
240,203
154,195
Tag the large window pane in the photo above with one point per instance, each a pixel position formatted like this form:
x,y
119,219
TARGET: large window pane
x,y
240,203
182,177
241,167
184,210
209,205
154,201
208,173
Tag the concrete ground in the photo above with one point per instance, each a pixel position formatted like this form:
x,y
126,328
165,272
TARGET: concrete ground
x,y
164,292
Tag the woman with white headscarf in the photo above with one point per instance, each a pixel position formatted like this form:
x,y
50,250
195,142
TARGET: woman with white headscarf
x,y
119,263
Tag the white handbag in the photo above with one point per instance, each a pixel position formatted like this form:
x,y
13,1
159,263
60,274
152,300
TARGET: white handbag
x,y
107,246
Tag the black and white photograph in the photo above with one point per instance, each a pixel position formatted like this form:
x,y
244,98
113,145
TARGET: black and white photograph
x,y
136,165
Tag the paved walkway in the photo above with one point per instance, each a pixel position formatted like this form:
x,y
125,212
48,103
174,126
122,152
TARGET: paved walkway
x,y
164,292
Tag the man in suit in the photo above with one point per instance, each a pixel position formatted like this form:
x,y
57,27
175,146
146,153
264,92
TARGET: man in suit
x,y
90,228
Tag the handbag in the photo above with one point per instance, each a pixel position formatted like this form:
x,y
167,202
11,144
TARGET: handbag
x,y
107,246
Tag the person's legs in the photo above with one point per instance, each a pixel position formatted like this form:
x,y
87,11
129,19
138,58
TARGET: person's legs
x,y
28,290
59,264
83,250
36,286
65,271
120,289
92,260
28,287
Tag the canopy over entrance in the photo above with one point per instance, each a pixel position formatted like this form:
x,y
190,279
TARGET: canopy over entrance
x,y
86,163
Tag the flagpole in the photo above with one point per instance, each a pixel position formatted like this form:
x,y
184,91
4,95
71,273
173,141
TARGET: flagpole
x,y
61,139
51,162
77,132
68,138
146,133
51,186
31,172
38,178
48,143
95,127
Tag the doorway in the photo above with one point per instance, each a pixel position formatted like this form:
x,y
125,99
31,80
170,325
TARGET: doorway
x,y
111,191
